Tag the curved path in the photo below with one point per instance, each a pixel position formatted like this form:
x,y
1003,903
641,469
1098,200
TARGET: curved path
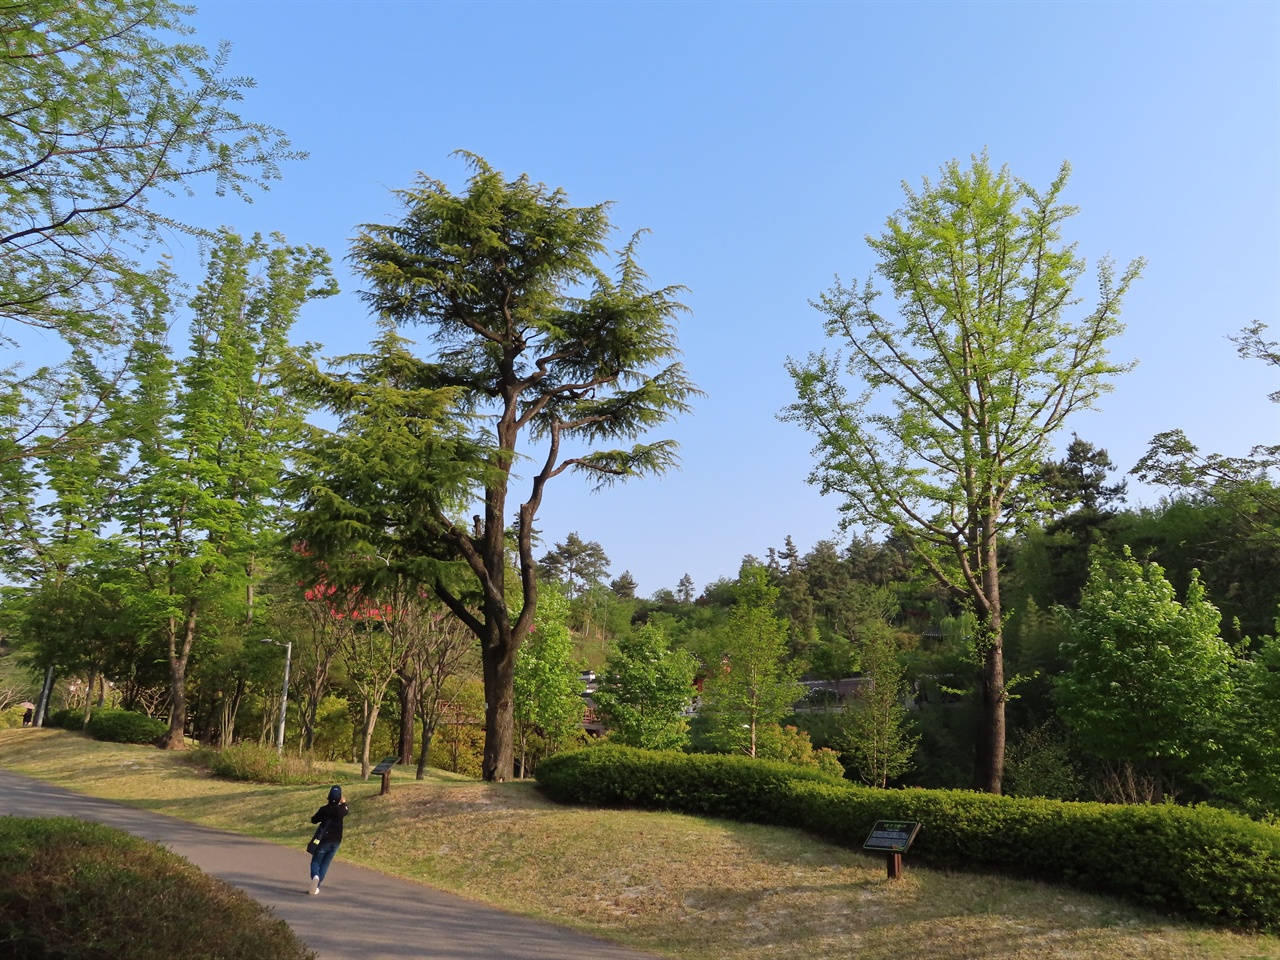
x,y
359,915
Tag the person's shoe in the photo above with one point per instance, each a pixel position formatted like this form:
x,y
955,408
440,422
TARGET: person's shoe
x,y
315,885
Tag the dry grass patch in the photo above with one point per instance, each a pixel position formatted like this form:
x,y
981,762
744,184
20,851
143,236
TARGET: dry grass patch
x,y
684,886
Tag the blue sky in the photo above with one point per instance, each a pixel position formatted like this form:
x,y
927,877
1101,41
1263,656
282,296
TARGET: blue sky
x,y
760,142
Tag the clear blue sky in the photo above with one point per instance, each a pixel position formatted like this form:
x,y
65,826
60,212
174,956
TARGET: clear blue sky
x,y
760,142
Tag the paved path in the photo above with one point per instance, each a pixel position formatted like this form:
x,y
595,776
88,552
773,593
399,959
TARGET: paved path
x,y
359,915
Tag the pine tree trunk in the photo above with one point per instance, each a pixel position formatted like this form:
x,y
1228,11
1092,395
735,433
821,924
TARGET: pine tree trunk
x,y
499,713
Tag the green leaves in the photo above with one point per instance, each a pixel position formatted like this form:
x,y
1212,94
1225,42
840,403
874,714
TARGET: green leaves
x,y
546,346
1148,679
952,406
960,396
646,690
103,109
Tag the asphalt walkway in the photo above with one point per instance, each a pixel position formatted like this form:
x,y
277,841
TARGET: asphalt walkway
x,y
358,915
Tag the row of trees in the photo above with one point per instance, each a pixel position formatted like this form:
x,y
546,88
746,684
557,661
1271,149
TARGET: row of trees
x,y
538,335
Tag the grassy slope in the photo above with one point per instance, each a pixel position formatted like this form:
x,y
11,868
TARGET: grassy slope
x,y
684,886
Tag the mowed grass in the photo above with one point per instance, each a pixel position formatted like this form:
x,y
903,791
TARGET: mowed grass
x,y
682,886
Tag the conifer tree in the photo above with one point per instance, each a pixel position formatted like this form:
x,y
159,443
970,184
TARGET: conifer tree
x,y
547,348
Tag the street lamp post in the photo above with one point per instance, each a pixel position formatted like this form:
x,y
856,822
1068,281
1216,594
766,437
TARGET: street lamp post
x,y
284,691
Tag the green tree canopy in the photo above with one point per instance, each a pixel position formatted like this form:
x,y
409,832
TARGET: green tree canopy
x,y
548,348
1148,678
749,685
646,690
953,406
104,109
576,563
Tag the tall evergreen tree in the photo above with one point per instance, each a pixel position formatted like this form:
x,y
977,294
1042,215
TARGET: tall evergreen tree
x,y
578,564
546,347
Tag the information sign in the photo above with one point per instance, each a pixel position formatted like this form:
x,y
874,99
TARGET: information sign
x,y
892,836
384,766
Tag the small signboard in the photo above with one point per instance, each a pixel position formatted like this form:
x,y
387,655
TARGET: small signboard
x,y
383,769
384,766
892,837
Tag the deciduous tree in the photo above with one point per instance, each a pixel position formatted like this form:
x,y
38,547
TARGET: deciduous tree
x,y
548,689
645,691
105,109
750,686
1148,678
211,433
953,405
874,732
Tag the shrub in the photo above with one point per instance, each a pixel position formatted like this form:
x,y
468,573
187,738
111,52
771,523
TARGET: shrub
x,y
125,726
259,764
82,891
1195,861
65,719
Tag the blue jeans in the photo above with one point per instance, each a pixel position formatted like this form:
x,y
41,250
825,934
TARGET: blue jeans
x,y
321,858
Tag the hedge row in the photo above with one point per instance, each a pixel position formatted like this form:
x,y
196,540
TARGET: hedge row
x,y
1198,862
82,891
112,726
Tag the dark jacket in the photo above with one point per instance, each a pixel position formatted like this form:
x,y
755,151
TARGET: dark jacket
x,y
331,815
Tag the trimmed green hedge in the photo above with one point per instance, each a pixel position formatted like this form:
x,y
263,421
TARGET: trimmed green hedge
x,y
1198,862
65,719
125,726
82,891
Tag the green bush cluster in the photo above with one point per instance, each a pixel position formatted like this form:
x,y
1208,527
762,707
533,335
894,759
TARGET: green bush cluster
x,y
82,891
1198,862
65,719
125,726
258,764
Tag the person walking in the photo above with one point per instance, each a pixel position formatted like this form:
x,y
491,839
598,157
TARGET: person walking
x,y
330,816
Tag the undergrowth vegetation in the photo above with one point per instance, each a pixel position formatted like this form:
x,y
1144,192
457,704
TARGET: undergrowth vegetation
x,y
82,891
254,763
1198,862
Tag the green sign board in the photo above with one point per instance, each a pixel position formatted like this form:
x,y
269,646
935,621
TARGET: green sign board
x,y
892,836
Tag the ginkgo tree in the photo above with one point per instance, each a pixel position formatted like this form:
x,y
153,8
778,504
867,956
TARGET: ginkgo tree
x,y
936,424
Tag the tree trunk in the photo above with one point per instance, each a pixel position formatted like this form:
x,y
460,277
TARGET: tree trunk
x,y
428,730
499,709
989,773
88,697
175,738
408,698
370,721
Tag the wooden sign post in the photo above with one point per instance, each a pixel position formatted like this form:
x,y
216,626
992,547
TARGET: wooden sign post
x,y
384,770
892,837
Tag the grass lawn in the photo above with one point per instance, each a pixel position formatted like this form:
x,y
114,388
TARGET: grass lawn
x,y
683,886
